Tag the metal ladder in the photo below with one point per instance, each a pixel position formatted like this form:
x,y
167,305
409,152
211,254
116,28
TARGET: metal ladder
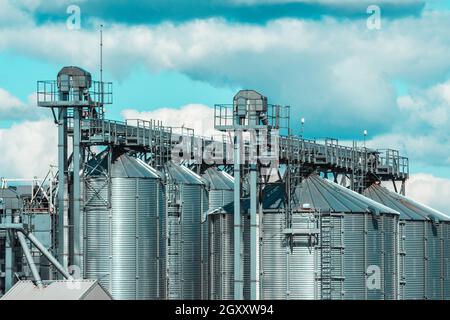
x,y
326,272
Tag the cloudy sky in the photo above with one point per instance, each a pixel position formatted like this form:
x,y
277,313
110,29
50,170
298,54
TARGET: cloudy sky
x,y
174,59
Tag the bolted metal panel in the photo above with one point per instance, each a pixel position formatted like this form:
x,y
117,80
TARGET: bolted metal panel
x,y
337,257
289,262
221,251
221,256
186,259
433,260
422,245
354,257
273,257
219,273
414,260
445,231
390,256
303,260
362,245
121,229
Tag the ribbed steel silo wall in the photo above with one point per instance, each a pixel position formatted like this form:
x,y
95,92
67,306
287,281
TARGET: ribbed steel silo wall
x,y
219,198
433,259
414,254
303,260
221,256
97,228
446,259
289,263
184,244
220,248
337,257
204,242
273,257
221,261
366,243
390,257
422,261
121,239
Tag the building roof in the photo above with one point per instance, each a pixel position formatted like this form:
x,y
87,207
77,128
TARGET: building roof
x,y
218,180
10,199
327,196
122,166
181,174
58,290
273,199
408,208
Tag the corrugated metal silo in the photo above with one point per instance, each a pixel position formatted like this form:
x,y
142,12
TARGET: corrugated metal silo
x,y
423,246
220,226
185,229
289,252
358,236
122,207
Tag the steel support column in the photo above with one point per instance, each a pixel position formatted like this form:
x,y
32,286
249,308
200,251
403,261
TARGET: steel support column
x,y
62,249
254,285
9,255
238,279
76,192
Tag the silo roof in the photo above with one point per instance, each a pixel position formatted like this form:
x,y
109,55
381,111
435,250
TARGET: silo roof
x,y
274,196
327,196
123,166
273,199
219,180
58,290
181,174
408,208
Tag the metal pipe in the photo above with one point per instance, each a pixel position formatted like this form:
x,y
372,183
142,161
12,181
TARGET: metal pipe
x,y
30,261
48,255
62,167
9,255
77,234
253,234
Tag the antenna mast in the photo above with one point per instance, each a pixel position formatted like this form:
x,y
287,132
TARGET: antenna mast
x,y
101,54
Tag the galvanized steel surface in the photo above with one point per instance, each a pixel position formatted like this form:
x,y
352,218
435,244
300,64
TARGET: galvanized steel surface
x,y
363,238
186,263
362,245
121,229
220,229
423,251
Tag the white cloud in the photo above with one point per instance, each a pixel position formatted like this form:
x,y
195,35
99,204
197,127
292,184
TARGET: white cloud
x,y
11,14
423,132
28,149
12,108
333,2
333,67
429,190
194,116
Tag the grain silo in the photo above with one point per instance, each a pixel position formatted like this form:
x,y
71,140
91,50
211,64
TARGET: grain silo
x,y
220,225
358,237
289,249
424,269
123,202
183,235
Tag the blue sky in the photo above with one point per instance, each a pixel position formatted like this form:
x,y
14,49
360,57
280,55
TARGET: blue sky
x,y
316,55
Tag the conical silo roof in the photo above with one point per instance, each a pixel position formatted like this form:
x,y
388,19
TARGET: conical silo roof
x,y
218,180
327,196
273,199
122,166
181,174
408,208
